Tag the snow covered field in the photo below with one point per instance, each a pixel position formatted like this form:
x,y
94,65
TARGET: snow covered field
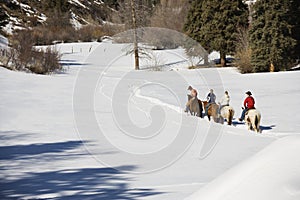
x,y
102,131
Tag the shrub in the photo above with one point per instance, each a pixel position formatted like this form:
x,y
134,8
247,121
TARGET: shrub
x,y
90,33
23,57
243,61
45,62
243,52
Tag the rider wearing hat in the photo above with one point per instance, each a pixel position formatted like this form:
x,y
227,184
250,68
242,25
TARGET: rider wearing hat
x,y
211,98
248,104
193,93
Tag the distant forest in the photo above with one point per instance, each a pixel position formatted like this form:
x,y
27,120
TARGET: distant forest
x,y
262,36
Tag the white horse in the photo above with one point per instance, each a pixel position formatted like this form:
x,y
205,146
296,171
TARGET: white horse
x,y
227,112
252,119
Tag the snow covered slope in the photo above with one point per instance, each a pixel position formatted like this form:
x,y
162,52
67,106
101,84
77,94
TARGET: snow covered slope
x,y
17,14
64,138
273,173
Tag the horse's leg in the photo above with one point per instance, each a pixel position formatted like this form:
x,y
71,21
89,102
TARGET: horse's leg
x,y
256,123
215,119
221,120
251,126
248,122
230,116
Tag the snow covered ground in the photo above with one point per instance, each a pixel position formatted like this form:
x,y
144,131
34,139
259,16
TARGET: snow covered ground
x,y
103,131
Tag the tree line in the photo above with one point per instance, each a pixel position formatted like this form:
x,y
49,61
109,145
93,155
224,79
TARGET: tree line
x,y
263,36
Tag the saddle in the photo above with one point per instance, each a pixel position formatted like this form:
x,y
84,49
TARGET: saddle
x,y
222,107
249,110
210,104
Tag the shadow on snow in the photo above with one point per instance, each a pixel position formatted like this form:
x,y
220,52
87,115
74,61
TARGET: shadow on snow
x,y
262,128
87,183
81,183
25,151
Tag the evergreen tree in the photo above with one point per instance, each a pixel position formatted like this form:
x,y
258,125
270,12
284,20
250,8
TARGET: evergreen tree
x,y
214,24
272,34
294,18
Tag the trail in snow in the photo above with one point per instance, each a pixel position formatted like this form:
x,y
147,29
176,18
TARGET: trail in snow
x,y
40,145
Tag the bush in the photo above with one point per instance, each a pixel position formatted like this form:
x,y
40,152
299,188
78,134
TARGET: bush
x,y
243,61
243,52
90,33
45,62
23,57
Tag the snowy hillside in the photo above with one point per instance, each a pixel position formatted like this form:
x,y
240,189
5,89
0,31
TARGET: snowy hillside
x,y
18,14
103,131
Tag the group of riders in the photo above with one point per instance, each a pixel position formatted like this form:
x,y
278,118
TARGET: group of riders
x,y
211,99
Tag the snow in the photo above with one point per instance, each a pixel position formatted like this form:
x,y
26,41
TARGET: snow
x,y
15,23
273,173
101,130
77,2
74,21
249,2
99,2
3,42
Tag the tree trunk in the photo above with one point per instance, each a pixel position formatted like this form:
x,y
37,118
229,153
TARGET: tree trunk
x,y
135,41
206,59
223,59
272,67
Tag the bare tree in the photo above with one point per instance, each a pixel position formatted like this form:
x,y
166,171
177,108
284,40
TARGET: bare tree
x,y
135,41
170,14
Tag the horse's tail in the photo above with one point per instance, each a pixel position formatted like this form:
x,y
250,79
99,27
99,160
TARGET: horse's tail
x,y
256,123
200,108
230,116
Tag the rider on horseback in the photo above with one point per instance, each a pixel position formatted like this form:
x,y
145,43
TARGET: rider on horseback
x,y
211,98
224,101
193,95
248,104
187,108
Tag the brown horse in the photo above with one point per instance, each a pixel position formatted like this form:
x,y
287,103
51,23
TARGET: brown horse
x,y
195,106
213,111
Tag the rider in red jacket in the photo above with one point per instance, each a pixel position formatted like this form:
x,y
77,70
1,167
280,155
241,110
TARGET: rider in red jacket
x,y
248,104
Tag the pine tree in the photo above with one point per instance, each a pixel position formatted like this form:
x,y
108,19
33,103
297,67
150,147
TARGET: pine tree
x,y
214,24
272,40
294,18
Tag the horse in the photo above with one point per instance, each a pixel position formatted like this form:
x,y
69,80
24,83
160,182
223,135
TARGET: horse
x,y
252,119
195,106
227,112
213,111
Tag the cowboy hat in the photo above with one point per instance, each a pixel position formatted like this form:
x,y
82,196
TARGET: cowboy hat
x,y
249,93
